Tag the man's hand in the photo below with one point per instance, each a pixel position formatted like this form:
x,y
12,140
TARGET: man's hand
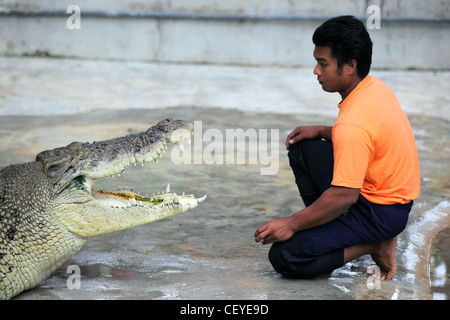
x,y
274,231
308,132
331,204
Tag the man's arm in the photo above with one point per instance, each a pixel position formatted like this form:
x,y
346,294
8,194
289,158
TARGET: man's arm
x,y
332,203
308,132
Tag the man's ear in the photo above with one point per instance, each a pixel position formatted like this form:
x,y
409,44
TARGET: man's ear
x,y
350,67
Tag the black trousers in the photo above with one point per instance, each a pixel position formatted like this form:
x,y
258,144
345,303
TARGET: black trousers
x,y
309,253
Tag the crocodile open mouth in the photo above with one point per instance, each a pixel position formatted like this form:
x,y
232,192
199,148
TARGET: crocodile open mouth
x,y
126,199
105,159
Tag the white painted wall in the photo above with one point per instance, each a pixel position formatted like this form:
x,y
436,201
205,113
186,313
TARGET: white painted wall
x,y
413,34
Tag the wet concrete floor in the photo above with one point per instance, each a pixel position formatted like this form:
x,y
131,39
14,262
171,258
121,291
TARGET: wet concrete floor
x,y
209,253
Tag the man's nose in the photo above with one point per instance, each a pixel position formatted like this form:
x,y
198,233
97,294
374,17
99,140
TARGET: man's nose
x,y
316,70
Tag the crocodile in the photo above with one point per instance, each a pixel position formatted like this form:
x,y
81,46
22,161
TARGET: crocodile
x,y
49,208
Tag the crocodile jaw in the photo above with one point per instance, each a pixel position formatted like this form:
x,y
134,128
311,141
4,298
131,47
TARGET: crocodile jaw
x,y
100,212
87,212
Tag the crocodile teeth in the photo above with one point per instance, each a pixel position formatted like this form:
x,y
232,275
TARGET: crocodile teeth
x,y
133,202
175,199
168,188
200,200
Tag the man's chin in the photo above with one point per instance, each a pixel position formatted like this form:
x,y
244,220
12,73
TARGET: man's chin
x,y
327,89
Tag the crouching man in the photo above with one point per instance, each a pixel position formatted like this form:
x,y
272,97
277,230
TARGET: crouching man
x,y
357,179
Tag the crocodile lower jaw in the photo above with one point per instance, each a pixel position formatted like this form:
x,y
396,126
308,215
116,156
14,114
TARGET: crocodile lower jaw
x,y
126,199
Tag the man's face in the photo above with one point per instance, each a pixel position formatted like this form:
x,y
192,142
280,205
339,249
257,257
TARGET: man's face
x,y
327,71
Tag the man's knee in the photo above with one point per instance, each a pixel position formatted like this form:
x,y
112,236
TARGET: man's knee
x,y
308,154
291,267
276,257
296,150
307,146
288,268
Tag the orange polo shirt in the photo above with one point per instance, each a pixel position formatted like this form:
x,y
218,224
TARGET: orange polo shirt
x,y
374,145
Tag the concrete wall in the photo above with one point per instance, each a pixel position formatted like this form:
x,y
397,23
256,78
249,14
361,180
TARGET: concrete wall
x,y
412,33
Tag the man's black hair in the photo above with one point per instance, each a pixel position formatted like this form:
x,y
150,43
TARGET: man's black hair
x,y
348,39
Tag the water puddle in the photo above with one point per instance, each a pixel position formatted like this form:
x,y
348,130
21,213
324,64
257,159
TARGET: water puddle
x,y
439,266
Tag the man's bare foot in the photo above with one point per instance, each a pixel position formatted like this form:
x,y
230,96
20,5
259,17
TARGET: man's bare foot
x,y
384,256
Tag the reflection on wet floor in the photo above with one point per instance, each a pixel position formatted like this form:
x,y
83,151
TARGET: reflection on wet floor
x,y
439,262
210,253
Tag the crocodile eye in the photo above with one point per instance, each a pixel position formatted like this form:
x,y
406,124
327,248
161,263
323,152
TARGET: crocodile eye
x,y
81,154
